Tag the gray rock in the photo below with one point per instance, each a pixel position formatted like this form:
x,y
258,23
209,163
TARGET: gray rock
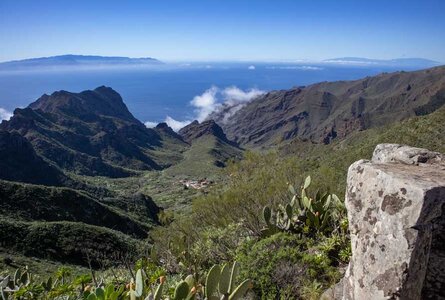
x,y
395,153
396,218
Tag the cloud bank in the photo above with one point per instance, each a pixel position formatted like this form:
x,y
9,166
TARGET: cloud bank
x,y
226,101
4,114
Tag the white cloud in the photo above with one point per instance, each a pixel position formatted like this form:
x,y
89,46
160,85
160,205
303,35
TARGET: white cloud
x,y
212,100
233,95
351,62
251,68
311,68
149,124
4,114
175,124
205,103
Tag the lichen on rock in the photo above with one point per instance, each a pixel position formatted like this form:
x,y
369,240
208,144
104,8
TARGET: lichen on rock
x,y
396,218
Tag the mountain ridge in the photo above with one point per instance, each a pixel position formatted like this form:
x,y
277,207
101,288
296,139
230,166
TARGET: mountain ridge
x,y
328,110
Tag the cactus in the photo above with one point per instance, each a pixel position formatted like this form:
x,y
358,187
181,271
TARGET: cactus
x,y
185,290
104,293
220,283
303,214
212,281
181,291
139,288
158,293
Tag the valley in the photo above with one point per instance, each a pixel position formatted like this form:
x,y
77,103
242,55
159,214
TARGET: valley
x,y
84,183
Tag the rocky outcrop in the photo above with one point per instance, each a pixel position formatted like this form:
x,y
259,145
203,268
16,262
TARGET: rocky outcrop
x,y
396,212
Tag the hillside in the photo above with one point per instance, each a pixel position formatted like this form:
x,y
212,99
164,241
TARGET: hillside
x,y
325,111
122,175
19,162
95,166
228,224
328,164
209,151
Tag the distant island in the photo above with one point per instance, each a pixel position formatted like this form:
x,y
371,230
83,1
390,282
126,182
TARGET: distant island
x,y
403,62
77,61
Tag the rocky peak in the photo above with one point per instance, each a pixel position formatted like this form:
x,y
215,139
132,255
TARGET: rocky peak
x,y
163,128
195,130
102,101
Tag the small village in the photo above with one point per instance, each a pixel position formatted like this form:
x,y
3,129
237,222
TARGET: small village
x,y
195,184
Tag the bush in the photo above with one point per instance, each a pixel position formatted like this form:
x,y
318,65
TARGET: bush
x,y
284,266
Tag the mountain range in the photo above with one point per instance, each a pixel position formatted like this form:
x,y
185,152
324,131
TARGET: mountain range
x,y
77,61
399,62
74,167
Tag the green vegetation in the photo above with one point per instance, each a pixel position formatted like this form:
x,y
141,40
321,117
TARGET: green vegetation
x,y
62,204
205,158
304,214
223,228
69,242
283,265
164,189
328,164
228,222
219,284
288,231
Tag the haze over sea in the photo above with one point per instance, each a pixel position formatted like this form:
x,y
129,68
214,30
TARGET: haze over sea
x,y
176,91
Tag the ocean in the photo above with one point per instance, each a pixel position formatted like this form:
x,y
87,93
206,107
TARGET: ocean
x,y
153,94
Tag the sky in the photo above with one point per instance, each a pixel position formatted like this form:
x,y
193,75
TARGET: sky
x,y
188,30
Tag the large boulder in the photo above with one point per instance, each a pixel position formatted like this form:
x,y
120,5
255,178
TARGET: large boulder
x,y
396,212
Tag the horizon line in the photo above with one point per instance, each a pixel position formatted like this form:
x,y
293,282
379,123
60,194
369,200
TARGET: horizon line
x,y
246,60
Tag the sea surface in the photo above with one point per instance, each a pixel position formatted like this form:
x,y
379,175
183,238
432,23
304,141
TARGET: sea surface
x,y
152,94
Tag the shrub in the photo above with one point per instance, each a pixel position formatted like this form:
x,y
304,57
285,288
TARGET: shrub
x,y
283,265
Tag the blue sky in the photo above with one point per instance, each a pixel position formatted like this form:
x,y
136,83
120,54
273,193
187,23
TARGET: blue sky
x,y
224,30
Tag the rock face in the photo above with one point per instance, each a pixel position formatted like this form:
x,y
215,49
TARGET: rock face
x,y
396,216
